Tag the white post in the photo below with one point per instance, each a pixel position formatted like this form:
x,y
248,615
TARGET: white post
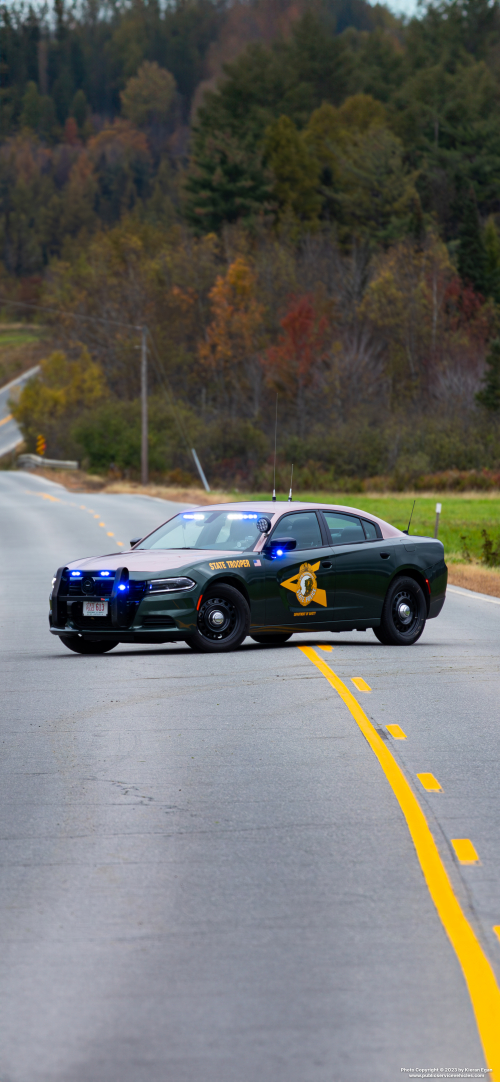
x,y
200,470
144,408
438,512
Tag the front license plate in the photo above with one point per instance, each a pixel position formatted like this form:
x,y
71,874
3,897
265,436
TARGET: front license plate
x,y
95,608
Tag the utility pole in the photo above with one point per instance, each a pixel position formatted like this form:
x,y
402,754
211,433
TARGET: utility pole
x,y
144,407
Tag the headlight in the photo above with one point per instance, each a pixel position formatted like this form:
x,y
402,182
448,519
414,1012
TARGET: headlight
x,y
53,582
167,586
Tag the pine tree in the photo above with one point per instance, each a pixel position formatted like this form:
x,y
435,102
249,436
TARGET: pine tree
x,y
228,183
471,253
492,252
489,397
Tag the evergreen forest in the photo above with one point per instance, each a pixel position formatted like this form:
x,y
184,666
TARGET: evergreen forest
x,y
297,198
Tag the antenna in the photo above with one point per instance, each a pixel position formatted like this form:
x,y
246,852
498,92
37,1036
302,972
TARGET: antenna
x,y
411,516
291,483
275,434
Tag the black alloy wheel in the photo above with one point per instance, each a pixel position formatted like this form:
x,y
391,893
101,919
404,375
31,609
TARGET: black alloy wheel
x,y
403,615
272,639
88,646
223,621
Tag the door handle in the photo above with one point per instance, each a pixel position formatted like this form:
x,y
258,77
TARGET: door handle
x,y
385,555
326,564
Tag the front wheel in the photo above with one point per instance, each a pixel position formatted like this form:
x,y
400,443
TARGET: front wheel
x,y
271,640
403,615
88,646
223,621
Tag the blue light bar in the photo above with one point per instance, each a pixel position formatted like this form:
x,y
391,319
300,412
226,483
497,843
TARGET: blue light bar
x,y
105,574
198,517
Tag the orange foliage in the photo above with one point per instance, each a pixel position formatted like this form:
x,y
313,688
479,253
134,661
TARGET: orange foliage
x,y
234,334
295,362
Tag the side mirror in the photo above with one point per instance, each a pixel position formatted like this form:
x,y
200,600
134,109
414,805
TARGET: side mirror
x,y
279,545
135,541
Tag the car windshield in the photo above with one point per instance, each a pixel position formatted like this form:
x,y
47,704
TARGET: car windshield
x,y
207,530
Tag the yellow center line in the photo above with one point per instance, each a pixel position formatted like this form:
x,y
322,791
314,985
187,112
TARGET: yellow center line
x,y
479,976
430,783
82,507
464,851
360,684
5,419
396,732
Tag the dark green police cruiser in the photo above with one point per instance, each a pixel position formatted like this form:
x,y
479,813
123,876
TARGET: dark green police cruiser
x,y
210,576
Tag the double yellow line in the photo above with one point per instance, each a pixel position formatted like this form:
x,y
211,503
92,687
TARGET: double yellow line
x,y
478,973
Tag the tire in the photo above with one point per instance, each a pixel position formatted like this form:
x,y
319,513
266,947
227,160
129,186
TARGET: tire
x,y
404,613
272,640
227,629
88,646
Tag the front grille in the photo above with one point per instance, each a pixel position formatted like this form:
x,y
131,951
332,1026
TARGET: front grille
x,y
101,588
91,587
158,621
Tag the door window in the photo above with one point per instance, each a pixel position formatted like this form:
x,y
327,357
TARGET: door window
x,y
303,526
343,529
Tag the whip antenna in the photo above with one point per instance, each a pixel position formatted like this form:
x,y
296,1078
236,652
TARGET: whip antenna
x,y
411,516
275,434
291,483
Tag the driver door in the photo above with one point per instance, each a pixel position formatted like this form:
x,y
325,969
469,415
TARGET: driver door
x,y
299,586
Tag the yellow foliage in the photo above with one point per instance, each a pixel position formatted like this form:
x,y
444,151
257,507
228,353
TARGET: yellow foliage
x,y
360,112
60,391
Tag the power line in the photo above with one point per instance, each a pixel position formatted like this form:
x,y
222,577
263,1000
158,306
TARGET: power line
x,y
71,315
164,383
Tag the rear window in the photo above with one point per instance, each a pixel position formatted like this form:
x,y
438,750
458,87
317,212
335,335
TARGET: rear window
x,y
370,530
344,529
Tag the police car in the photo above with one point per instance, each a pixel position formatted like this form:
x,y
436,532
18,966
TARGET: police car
x,y
211,576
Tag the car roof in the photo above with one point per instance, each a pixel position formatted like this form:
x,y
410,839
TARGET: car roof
x,y
281,507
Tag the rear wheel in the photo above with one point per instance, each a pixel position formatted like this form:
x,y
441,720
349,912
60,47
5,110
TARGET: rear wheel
x,y
271,640
403,615
223,621
88,646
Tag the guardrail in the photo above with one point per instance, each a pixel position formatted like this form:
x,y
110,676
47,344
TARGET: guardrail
x,y
25,461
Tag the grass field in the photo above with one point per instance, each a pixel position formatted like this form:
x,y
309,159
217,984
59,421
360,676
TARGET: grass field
x,y
461,516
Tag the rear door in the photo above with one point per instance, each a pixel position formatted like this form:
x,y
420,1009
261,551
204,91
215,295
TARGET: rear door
x,y
299,588
363,564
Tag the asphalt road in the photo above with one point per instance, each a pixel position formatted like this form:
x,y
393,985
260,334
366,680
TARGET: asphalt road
x,y
205,874
10,435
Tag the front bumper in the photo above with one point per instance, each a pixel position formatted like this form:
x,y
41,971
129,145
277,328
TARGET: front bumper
x,y
153,619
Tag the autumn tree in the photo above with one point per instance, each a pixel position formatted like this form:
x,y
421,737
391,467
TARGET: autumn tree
x,y
294,366
51,401
229,354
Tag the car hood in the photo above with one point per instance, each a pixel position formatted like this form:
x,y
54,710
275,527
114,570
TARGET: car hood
x,y
153,560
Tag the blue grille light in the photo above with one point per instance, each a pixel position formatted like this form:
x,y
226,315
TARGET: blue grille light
x,y
76,574
104,574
